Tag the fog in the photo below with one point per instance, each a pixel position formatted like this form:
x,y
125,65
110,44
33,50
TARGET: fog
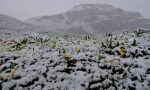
x,y
24,9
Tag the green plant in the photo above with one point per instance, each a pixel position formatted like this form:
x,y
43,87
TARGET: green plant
x,y
109,34
71,62
139,32
117,44
110,44
18,46
12,65
103,45
87,37
24,41
66,36
134,43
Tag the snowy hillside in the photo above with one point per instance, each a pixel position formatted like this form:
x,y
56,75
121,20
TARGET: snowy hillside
x,y
115,61
92,18
12,24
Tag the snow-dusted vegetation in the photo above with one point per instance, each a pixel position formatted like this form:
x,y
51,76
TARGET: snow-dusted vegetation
x,y
115,61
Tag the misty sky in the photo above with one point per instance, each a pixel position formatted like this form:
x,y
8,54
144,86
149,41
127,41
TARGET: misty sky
x,y
24,9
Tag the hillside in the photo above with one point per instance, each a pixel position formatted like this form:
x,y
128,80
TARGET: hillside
x,y
11,23
92,18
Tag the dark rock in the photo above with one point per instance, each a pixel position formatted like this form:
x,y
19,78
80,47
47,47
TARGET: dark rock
x,y
42,85
148,71
45,74
30,83
82,69
134,78
33,62
131,88
94,82
82,85
135,66
2,56
6,59
51,61
103,67
15,57
17,77
144,53
4,68
68,70
1,86
89,71
125,75
125,65
62,79
12,88
119,71
8,71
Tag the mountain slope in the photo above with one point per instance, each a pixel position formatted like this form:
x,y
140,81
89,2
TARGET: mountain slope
x,y
10,23
92,18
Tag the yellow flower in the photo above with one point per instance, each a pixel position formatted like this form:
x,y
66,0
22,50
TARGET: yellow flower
x,y
6,76
65,54
23,46
110,62
10,42
71,57
77,49
13,72
122,52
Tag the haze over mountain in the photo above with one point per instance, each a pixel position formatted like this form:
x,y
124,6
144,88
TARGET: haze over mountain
x,y
84,18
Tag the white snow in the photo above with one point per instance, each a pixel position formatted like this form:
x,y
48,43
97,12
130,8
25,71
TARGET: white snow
x,y
44,66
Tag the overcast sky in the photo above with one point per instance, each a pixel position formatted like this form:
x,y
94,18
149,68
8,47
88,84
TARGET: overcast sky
x,y
24,9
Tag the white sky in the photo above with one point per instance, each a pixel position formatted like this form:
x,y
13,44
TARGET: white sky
x,y
24,9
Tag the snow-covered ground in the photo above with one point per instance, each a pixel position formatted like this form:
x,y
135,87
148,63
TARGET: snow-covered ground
x,y
32,61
